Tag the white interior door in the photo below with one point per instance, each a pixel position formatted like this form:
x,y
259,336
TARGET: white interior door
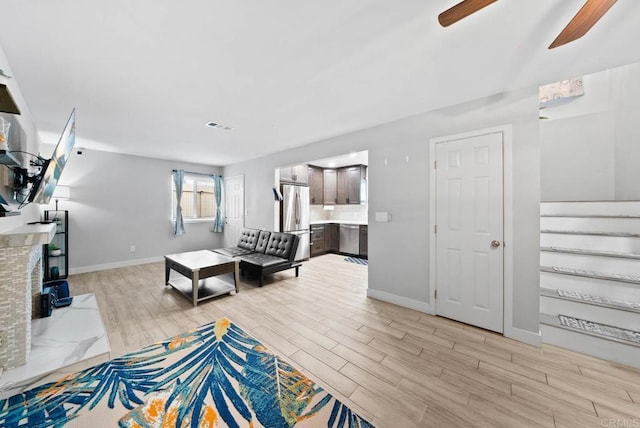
x,y
469,234
234,209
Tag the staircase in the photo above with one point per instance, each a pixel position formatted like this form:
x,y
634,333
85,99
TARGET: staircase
x,y
590,278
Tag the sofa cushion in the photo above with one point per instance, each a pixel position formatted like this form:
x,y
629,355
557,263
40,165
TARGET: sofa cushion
x,y
262,260
232,251
249,239
263,240
282,245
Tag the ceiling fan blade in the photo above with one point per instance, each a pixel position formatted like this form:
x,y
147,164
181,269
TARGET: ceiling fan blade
x,y
462,10
586,18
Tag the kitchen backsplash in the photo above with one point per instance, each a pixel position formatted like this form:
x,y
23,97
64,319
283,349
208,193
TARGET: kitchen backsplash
x,y
340,212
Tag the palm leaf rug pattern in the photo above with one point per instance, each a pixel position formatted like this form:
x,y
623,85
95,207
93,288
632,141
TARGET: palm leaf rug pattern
x,y
214,375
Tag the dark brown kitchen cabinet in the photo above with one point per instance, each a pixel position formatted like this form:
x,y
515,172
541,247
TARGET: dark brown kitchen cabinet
x,y
325,238
329,186
316,191
296,174
350,185
364,241
332,237
318,238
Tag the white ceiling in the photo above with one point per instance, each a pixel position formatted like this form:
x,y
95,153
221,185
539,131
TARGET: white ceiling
x,y
146,75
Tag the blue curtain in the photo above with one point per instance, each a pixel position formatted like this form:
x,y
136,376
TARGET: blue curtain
x,y
178,180
218,222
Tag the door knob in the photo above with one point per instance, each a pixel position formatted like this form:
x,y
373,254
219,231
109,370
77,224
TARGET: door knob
x,y
495,243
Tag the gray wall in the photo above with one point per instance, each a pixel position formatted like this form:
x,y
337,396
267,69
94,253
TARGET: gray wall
x,y
590,146
120,200
577,155
626,111
399,250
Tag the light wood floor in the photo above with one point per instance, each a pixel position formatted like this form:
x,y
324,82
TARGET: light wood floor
x,y
395,366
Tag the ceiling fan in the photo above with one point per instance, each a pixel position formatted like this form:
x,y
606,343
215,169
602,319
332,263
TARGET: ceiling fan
x,y
582,22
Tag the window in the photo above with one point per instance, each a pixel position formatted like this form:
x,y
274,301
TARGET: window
x,y
198,198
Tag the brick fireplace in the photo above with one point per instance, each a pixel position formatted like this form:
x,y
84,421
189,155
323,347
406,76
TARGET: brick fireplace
x,y
20,288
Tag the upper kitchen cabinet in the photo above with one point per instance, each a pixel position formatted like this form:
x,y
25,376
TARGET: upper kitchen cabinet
x,y
351,185
295,174
330,187
316,191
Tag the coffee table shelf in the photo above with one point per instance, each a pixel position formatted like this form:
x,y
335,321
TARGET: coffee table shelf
x,y
207,288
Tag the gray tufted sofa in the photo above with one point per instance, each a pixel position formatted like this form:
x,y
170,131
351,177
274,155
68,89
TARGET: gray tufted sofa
x,y
262,252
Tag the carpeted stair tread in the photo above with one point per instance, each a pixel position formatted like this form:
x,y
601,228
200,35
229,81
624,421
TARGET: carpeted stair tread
x,y
631,279
600,253
591,299
604,331
592,233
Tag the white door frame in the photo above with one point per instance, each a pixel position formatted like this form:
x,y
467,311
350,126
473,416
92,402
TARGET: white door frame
x,y
507,166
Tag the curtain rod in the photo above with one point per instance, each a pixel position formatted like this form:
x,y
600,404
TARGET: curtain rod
x,y
197,173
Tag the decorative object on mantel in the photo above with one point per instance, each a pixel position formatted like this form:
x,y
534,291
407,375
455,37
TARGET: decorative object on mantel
x,y
4,133
216,374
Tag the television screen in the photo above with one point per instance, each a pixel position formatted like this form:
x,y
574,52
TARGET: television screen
x,y
51,170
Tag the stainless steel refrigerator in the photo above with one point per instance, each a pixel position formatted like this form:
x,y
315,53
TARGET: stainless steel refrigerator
x,y
294,216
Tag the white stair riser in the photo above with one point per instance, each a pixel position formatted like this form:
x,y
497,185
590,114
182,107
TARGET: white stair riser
x,y
597,287
588,242
592,263
590,345
627,208
624,225
602,315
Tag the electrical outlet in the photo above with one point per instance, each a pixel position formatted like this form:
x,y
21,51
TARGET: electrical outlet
x,y
132,248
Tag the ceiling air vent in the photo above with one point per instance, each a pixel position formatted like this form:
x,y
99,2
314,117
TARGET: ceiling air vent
x,y
219,126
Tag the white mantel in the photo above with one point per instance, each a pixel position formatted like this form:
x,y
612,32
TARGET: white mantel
x,y
28,235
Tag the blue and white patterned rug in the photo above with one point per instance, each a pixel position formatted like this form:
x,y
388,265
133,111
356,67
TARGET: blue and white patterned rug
x,y
357,260
215,375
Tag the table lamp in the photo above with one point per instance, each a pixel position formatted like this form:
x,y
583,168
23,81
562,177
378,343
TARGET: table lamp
x,y
61,192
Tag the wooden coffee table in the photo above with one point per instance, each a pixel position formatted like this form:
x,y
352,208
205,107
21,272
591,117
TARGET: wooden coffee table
x,y
198,270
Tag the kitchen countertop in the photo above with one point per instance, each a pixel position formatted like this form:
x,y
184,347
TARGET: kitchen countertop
x,y
360,223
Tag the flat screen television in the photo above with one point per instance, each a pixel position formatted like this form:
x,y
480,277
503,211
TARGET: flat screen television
x,y
45,183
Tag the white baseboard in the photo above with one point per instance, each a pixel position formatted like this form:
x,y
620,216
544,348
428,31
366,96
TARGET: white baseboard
x,y
399,300
115,265
515,333
525,336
